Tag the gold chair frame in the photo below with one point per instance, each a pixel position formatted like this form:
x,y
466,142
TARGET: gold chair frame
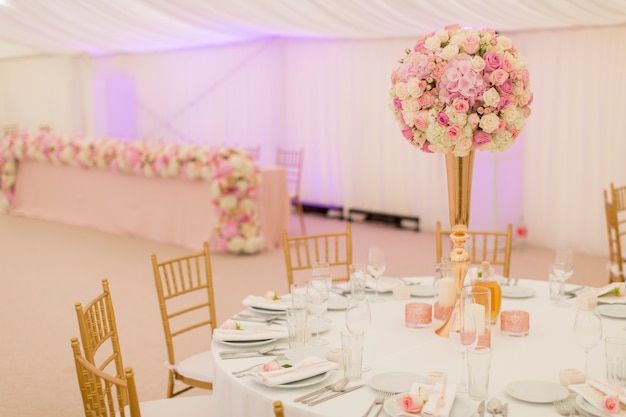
x,y
98,332
291,161
279,410
491,246
302,252
615,211
104,395
176,279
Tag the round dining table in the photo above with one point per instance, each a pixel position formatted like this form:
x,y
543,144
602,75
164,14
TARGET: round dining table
x,y
522,365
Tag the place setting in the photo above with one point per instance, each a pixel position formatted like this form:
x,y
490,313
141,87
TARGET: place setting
x,y
248,334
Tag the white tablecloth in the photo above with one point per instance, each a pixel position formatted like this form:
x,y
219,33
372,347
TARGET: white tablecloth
x,y
390,346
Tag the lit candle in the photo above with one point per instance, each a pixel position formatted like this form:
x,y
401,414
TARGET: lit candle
x,y
477,312
447,292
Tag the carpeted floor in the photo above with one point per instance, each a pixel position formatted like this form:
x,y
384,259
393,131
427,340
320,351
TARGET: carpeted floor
x,y
45,267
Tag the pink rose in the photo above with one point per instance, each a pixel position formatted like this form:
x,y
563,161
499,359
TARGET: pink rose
x,y
493,61
271,366
410,403
397,103
460,105
453,132
471,44
230,325
507,65
473,119
442,118
610,404
425,100
421,120
506,87
407,133
426,147
481,137
498,76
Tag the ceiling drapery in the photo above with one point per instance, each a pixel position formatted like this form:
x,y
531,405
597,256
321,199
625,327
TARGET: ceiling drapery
x,y
105,27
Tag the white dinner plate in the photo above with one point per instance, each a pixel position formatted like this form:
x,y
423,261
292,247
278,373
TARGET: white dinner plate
x,y
617,311
513,291
461,407
394,381
247,343
589,408
306,382
422,290
266,311
534,391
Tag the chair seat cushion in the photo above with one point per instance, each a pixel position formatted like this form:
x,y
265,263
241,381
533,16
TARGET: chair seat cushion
x,y
191,406
199,367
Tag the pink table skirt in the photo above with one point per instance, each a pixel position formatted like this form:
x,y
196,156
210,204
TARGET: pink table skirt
x,y
172,211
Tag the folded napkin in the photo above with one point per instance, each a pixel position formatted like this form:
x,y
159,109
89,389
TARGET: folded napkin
x,y
266,303
609,388
258,333
593,395
383,286
418,280
306,368
607,294
439,402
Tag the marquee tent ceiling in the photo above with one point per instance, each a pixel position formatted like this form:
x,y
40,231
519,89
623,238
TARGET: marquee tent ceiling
x,y
105,27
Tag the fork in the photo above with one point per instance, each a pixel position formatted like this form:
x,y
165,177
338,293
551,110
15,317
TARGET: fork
x,y
385,396
379,400
565,408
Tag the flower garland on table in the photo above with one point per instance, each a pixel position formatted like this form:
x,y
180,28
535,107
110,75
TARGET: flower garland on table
x,y
234,176
461,89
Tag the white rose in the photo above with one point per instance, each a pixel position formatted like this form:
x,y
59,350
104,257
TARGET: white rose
x,y
442,34
236,244
523,98
478,64
248,204
462,147
413,88
228,202
502,141
489,122
510,113
254,245
505,42
205,173
432,43
411,104
449,52
409,117
401,90
491,97
519,62
242,185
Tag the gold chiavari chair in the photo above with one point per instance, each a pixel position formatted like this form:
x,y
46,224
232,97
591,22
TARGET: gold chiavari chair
x,y
291,161
302,252
491,246
278,409
106,395
185,292
10,129
254,152
615,212
98,332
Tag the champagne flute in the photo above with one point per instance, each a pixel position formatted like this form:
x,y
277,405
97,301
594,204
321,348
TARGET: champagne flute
x,y
463,335
587,331
376,266
560,270
317,301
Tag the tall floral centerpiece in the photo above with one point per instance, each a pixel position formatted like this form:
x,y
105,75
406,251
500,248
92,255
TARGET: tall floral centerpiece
x,y
460,90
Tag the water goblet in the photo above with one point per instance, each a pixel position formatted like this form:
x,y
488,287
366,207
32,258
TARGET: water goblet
x,y
317,301
376,266
359,318
358,280
587,330
560,271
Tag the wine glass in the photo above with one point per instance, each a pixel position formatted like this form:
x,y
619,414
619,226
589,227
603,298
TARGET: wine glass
x,y
317,301
463,335
376,266
587,332
358,318
560,270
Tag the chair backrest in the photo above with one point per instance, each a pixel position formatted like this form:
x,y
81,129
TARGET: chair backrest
x,y
291,161
617,198
254,152
491,246
185,291
616,230
103,394
278,409
98,332
302,252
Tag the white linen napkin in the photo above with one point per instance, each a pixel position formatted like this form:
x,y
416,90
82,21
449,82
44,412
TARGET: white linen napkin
x,y
592,395
440,401
262,302
383,285
609,388
607,294
258,333
306,368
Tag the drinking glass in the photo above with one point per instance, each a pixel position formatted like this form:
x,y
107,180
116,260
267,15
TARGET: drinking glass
x,y
358,281
463,335
359,318
317,301
376,266
560,270
587,332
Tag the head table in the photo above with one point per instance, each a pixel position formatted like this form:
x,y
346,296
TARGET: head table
x,y
391,347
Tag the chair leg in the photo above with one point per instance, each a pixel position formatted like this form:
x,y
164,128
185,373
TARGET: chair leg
x,y
300,211
170,384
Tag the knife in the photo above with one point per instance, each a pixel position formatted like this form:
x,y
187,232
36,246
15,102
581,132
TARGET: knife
x,y
234,352
314,393
336,394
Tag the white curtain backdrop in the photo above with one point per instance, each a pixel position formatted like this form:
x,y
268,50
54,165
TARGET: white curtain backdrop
x,y
331,98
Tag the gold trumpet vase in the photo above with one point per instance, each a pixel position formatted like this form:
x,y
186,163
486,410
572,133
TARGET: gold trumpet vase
x,y
459,174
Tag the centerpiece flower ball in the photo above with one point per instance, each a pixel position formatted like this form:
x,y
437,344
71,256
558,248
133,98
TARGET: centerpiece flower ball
x,y
461,89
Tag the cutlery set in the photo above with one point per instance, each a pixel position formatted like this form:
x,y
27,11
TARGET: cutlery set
x,y
260,319
236,354
379,400
336,389
494,407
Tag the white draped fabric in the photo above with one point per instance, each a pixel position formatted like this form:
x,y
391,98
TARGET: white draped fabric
x,y
331,98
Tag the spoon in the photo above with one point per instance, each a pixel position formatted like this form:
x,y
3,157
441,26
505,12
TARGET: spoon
x,y
505,410
336,387
494,406
481,409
